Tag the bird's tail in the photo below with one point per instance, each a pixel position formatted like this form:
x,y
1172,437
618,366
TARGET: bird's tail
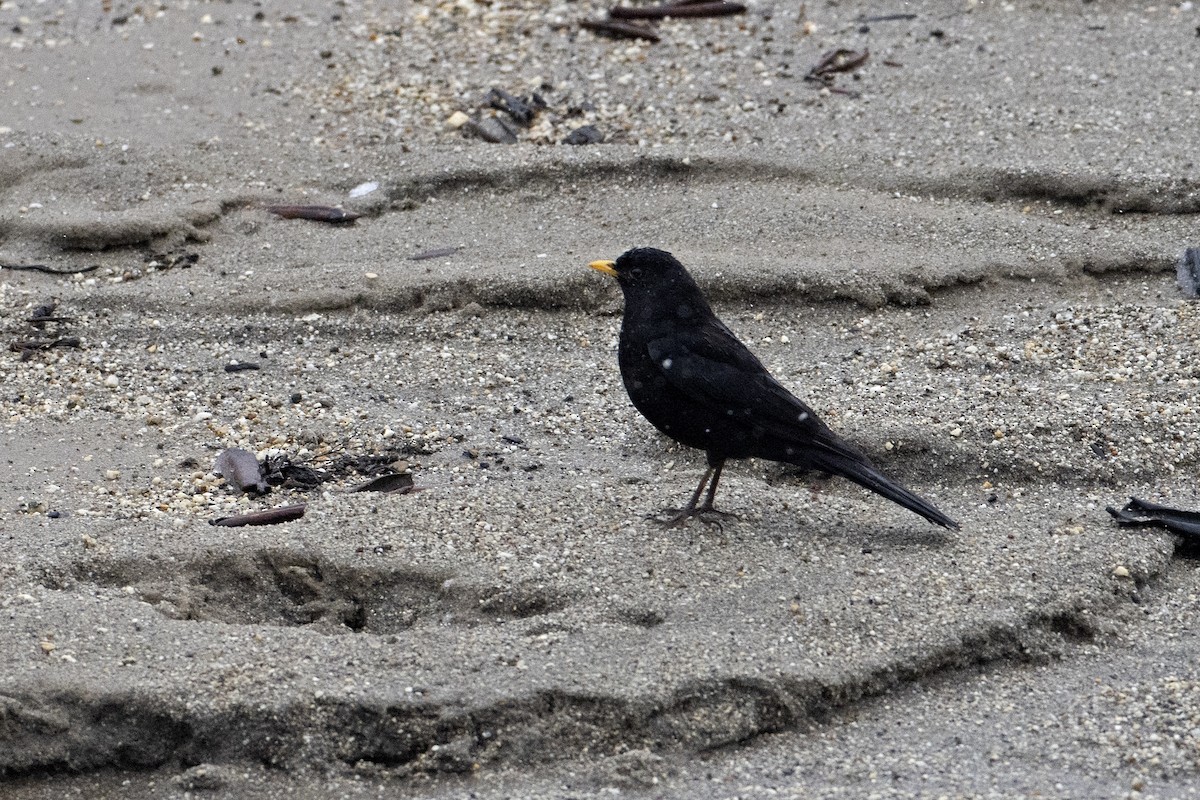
x,y
849,464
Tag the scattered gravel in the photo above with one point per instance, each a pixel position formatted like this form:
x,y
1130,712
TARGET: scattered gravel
x,y
961,255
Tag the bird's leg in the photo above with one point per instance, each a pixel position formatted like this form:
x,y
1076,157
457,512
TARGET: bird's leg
x,y
707,508
715,469
705,512
678,515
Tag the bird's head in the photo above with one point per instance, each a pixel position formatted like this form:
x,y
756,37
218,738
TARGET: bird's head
x,y
645,268
656,286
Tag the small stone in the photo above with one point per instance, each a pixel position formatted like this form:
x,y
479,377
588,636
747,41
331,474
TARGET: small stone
x,y
491,129
1121,572
1187,272
112,382
584,134
457,120
204,778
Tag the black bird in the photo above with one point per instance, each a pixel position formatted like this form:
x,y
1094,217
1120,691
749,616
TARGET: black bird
x,y
691,377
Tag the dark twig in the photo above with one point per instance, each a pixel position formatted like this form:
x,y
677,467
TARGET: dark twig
x,y
620,30
241,366
705,9
50,270
271,516
65,341
440,252
28,348
835,61
887,18
315,213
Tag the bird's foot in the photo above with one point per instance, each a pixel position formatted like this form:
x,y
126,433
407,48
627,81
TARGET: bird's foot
x,y
675,517
711,516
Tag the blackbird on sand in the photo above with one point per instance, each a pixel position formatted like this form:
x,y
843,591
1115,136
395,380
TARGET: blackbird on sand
x,y
694,381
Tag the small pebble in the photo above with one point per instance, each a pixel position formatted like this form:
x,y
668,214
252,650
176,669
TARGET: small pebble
x,y
491,129
584,134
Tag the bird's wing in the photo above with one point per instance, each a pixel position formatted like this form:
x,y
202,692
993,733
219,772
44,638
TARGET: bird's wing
x,y
711,366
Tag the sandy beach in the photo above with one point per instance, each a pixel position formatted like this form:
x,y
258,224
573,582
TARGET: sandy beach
x,y
960,250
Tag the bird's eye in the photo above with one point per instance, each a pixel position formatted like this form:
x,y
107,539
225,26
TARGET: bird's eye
x,y
636,272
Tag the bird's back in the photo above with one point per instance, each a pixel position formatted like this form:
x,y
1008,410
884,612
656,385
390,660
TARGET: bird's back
x,y
691,377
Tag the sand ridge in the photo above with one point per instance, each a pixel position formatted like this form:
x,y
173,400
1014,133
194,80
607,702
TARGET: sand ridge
x,y
967,269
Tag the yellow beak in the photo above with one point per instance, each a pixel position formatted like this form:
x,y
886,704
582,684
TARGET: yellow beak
x,y
604,266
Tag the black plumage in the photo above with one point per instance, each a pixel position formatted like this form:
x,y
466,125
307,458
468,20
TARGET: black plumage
x,y
697,383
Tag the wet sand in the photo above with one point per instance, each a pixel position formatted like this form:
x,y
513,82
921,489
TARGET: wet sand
x,y
961,255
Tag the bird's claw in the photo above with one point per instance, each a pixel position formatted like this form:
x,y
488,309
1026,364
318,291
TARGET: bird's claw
x,y
676,517
671,517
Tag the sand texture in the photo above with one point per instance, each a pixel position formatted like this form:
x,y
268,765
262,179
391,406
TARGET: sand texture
x,y
961,255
